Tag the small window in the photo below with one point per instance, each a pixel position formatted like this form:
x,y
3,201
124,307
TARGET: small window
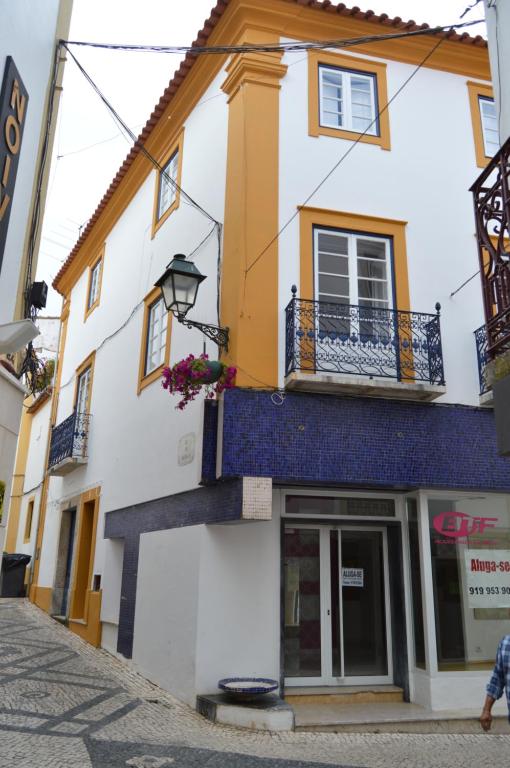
x,y
485,122
155,348
348,100
94,284
83,390
28,521
489,122
95,273
167,184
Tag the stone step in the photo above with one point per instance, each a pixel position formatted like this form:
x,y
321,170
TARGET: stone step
x,y
388,717
344,695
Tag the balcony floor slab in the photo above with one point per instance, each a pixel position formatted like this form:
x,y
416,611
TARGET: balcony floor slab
x,y
338,384
66,465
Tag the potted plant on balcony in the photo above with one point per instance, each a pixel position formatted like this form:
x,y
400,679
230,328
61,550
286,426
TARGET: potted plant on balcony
x,y
193,375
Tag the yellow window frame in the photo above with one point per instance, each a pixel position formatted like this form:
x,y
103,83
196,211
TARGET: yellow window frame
x,y
351,63
475,90
89,362
158,221
145,379
98,259
27,535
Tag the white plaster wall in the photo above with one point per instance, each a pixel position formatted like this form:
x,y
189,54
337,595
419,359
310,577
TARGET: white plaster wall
x,y
36,457
166,609
497,16
239,603
423,180
112,580
27,33
133,438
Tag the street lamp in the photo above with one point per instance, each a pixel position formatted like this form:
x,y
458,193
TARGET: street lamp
x,y
179,287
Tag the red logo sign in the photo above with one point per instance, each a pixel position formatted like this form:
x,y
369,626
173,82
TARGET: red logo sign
x,y
459,525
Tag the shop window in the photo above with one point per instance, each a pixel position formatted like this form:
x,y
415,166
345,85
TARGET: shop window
x,y
330,505
415,565
470,548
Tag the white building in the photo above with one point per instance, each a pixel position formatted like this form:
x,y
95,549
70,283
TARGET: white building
x,y
354,462
27,71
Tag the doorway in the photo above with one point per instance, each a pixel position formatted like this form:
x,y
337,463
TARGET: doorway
x,y
60,605
337,606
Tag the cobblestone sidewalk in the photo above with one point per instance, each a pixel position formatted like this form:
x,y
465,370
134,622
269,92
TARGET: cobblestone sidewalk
x,y
64,704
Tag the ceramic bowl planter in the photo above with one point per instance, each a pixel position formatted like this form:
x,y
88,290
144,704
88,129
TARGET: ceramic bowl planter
x,y
247,688
190,376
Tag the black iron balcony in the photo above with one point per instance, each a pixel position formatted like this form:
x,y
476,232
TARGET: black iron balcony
x,y
491,193
362,344
69,441
482,355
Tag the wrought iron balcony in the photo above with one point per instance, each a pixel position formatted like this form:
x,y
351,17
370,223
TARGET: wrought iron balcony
x,y
491,193
69,441
483,358
381,351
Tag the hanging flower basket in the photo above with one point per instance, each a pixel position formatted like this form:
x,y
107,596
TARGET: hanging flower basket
x,y
190,376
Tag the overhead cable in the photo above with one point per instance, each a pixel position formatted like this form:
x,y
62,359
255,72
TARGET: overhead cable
x,y
270,47
134,139
345,155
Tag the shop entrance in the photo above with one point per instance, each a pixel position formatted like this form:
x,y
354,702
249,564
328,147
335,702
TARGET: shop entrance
x,y
337,606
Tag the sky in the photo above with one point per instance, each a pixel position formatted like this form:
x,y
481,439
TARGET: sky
x,y
89,148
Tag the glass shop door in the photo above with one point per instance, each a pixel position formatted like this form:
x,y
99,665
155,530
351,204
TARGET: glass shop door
x,y
337,627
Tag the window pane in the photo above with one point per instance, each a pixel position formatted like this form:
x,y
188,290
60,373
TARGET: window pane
x,y
370,268
332,243
489,126
94,284
82,391
370,289
329,505
337,265
156,336
166,188
337,286
302,603
371,249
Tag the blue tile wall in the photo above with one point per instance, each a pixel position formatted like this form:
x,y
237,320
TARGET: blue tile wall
x,y
368,442
209,442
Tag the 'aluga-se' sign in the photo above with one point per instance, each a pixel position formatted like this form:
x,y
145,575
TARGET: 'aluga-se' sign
x,y
13,113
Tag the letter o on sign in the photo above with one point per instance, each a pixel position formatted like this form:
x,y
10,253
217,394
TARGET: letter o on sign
x,y
11,126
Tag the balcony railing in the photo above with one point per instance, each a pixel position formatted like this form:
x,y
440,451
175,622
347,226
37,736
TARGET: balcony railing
x,y
69,440
328,337
491,193
482,355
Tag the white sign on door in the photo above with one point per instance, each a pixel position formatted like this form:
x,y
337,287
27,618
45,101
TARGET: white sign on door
x,y
487,578
352,577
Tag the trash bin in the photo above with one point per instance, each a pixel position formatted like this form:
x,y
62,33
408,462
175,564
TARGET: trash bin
x,y
13,575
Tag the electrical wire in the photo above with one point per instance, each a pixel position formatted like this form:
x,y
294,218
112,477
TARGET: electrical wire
x,y
464,283
134,139
270,47
344,156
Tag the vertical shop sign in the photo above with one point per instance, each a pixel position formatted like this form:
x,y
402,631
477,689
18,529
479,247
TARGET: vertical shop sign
x,y
488,578
13,113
